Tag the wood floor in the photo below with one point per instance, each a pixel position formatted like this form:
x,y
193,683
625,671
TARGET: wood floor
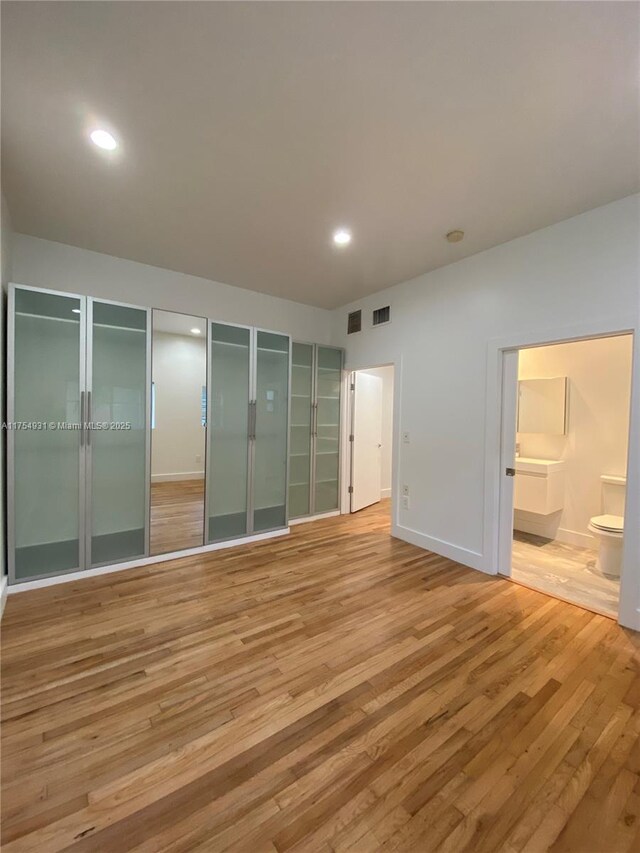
x,y
563,570
331,690
177,515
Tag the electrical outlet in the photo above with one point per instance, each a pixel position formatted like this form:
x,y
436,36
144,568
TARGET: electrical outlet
x,y
405,438
405,502
405,490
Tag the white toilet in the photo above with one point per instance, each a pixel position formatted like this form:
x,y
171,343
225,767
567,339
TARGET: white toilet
x,y
608,529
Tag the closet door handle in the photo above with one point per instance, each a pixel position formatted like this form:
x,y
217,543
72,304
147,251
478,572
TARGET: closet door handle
x,y
252,420
88,399
81,418
315,420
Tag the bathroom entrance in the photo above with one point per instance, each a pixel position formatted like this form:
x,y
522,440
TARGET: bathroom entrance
x,y
565,431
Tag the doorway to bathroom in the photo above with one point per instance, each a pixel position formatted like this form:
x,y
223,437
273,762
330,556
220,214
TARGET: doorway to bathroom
x,y
370,437
565,434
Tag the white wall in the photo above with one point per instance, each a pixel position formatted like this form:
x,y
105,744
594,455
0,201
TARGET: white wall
x,y
42,263
599,386
386,375
446,326
178,439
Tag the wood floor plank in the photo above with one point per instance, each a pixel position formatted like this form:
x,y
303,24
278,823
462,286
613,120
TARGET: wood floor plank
x,y
332,690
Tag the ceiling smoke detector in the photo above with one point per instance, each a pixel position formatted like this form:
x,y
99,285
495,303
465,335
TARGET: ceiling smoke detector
x,y
455,236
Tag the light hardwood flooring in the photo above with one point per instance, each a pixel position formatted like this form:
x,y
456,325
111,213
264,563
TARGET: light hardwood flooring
x,y
563,570
331,690
177,515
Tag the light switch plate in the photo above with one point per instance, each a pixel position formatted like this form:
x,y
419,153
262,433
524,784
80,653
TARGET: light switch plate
x,y
405,437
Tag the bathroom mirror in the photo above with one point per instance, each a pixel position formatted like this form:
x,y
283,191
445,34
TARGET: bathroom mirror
x,y
178,431
542,405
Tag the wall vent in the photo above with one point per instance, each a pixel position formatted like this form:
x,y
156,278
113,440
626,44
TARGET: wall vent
x,y
354,323
382,315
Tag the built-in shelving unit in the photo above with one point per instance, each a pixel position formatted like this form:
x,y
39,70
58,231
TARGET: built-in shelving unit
x,y
314,456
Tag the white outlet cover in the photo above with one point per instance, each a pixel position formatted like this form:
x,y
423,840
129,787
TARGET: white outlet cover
x,y
405,437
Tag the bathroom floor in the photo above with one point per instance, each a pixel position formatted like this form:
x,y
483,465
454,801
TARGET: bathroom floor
x,y
565,571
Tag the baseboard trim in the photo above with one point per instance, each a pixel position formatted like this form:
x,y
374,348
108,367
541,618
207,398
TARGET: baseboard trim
x,y
307,518
472,559
144,561
169,478
3,593
562,534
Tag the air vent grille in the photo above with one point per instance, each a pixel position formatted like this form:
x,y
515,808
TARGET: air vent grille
x,y
354,323
381,315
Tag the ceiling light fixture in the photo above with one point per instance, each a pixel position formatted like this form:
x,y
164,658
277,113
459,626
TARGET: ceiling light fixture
x,y
103,139
195,331
342,237
455,236
75,310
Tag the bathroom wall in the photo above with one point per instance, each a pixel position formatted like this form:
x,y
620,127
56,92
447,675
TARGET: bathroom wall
x,y
599,385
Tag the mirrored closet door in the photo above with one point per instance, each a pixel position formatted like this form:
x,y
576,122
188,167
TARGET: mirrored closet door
x,y
178,434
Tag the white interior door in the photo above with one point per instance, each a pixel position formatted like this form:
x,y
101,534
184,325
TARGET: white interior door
x,y
366,448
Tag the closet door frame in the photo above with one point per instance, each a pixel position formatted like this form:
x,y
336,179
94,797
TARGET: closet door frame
x,y
10,433
312,437
208,456
340,414
88,446
252,442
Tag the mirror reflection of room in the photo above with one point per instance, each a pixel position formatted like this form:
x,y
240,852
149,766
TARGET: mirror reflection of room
x,y
178,431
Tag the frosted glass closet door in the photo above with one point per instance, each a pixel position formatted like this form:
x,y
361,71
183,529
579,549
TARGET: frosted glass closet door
x,y
328,382
118,398
47,375
228,432
271,431
300,436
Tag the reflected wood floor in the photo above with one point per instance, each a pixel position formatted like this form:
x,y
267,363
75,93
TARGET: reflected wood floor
x,y
177,516
330,690
563,570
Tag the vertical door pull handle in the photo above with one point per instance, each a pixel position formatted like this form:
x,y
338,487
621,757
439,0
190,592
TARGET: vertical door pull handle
x,y
82,427
88,399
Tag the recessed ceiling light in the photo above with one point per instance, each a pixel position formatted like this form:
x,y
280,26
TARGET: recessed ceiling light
x,y
103,139
195,331
342,237
455,236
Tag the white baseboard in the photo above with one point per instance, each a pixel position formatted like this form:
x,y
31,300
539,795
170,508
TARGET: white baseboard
x,y
319,517
184,475
3,593
144,561
385,493
560,534
472,559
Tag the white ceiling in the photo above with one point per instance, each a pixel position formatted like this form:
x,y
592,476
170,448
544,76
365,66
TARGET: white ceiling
x,y
251,130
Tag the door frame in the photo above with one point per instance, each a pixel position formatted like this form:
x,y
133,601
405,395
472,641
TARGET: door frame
x,y
347,433
502,383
